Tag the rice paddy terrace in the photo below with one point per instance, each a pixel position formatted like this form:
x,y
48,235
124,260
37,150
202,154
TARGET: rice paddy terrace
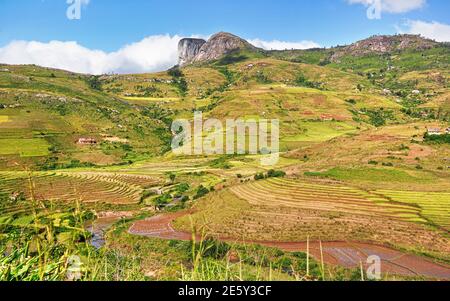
x,y
88,187
309,196
288,210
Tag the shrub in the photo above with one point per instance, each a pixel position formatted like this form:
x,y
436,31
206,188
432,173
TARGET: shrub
x,y
437,139
94,82
201,192
276,174
175,72
259,176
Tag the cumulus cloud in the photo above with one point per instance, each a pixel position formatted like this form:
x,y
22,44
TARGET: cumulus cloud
x,y
391,6
432,30
154,53
282,45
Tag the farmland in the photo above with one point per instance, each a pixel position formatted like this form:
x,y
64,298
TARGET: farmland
x,y
355,172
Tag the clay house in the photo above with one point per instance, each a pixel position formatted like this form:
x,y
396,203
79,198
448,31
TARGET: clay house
x,y
327,117
434,131
87,141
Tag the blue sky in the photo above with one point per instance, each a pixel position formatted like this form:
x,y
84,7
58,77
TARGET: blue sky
x,y
109,25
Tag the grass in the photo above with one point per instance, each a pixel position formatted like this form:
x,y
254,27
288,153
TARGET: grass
x,y
435,207
145,100
321,131
24,147
368,174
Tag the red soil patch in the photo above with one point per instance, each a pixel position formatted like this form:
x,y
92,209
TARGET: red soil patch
x,y
381,138
419,151
346,254
160,226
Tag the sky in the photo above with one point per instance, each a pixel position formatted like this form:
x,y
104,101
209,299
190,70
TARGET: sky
x,y
115,36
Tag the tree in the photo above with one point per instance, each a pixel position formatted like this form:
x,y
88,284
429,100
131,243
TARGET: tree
x,y
175,72
172,177
94,83
201,192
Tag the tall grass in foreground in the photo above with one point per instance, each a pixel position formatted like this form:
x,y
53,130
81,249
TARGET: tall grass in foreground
x,y
213,260
42,251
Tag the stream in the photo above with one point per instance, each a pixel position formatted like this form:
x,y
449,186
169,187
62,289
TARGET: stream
x,y
98,228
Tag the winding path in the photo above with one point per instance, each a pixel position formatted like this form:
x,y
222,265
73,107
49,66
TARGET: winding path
x,y
346,254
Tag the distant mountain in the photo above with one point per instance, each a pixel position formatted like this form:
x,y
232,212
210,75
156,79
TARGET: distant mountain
x,y
384,44
198,50
220,44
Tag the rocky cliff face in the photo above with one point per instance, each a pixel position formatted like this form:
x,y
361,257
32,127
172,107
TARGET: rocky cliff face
x,y
195,50
188,49
384,44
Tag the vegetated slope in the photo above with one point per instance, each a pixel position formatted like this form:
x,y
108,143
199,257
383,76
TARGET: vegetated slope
x,y
411,69
45,112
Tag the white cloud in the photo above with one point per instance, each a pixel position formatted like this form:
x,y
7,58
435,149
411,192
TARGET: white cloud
x,y
392,6
154,53
432,30
282,45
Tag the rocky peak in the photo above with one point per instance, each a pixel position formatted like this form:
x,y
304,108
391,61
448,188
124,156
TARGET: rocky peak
x,y
188,49
384,44
195,50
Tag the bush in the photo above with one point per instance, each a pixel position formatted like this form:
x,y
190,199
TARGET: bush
x,y
276,174
94,83
259,176
182,86
302,81
175,72
201,192
183,187
437,139
163,200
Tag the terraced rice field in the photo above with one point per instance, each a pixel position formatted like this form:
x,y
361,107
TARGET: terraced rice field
x,y
85,186
308,196
434,206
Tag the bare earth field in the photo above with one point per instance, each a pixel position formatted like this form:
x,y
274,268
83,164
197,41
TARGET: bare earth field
x,y
346,254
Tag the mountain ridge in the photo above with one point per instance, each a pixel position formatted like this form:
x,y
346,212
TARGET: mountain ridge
x,y
192,50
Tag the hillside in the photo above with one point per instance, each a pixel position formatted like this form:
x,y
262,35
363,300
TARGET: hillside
x,y
357,167
403,78
412,69
45,112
